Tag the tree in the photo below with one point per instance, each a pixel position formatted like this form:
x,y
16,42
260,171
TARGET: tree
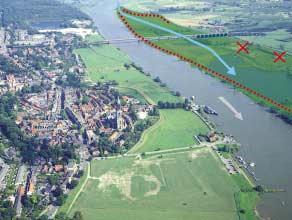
x,y
58,192
73,184
85,100
43,217
53,179
61,216
60,200
77,216
157,79
259,188
80,173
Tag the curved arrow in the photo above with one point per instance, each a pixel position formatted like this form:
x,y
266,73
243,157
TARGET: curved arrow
x,y
237,114
230,70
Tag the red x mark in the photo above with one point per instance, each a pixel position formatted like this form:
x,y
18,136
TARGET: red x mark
x,y
242,47
279,56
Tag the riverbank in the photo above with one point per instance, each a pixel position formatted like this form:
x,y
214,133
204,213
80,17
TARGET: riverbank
x,y
225,46
109,66
272,163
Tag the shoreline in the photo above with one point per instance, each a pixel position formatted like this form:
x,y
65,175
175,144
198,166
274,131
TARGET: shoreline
x,y
242,171
283,110
156,122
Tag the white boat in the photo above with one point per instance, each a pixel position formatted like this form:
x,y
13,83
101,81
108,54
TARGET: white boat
x,y
252,164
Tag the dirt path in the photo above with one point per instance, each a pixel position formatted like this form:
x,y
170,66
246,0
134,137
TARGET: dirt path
x,y
144,136
81,189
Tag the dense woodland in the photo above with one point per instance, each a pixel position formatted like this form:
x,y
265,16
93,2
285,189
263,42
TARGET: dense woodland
x,y
25,13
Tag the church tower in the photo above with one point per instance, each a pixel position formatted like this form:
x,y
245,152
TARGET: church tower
x,y
119,119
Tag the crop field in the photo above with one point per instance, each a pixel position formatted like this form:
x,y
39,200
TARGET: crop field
x,y
259,15
189,185
104,63
255,70
175,129
280,39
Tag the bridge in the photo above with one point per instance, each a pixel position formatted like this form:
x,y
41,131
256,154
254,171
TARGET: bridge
x,y
169,37
173,37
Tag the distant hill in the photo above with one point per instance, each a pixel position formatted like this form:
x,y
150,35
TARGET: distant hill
x,y
38,13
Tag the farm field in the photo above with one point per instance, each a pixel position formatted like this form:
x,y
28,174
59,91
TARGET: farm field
x,y
175,129
255,70
189,185
104,63
280,39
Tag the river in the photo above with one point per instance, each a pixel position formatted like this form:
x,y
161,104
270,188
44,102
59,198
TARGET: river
x,y
266,139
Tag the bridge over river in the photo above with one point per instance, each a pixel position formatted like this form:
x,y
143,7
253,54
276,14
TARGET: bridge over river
x,y
173,37
170,37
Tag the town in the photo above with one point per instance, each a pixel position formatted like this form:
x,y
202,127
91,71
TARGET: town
x,y
45,100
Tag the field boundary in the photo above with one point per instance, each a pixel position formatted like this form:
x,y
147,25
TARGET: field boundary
x,y
193,62
144,136
146,97
81,188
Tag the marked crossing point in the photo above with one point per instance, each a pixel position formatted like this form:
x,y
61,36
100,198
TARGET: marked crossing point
x,y
280,57
243,47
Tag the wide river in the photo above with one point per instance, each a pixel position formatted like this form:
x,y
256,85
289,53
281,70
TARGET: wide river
x,y
266,140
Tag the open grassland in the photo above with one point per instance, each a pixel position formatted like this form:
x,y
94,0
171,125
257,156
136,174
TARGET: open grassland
x,y
151,32
280,39
92,38
190,185
255,70
174,185
176,128
104,63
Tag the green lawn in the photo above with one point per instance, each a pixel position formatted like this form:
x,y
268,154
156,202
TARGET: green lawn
x,y
176,128
93,38
255,70
190,185
105,63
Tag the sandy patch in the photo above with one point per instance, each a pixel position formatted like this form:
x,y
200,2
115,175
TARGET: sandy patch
x,y
122,182
147,163
157,188
197,153
83,32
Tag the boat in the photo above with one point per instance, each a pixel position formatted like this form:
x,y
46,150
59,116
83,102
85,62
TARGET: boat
x,y
252,164
209,110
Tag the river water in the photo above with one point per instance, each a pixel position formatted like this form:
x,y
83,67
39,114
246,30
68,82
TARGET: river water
x,y
266,140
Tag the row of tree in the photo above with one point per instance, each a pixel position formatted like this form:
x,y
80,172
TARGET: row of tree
x,y
171,105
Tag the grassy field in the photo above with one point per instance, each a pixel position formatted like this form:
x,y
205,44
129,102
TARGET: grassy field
x,y
183,185
105,63
176,128
280,39
191,185
93,38
255,70
151,32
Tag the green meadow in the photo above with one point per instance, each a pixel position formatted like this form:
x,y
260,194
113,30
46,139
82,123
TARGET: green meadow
x,y
255,70
104,63
175,129
151,32
189,185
